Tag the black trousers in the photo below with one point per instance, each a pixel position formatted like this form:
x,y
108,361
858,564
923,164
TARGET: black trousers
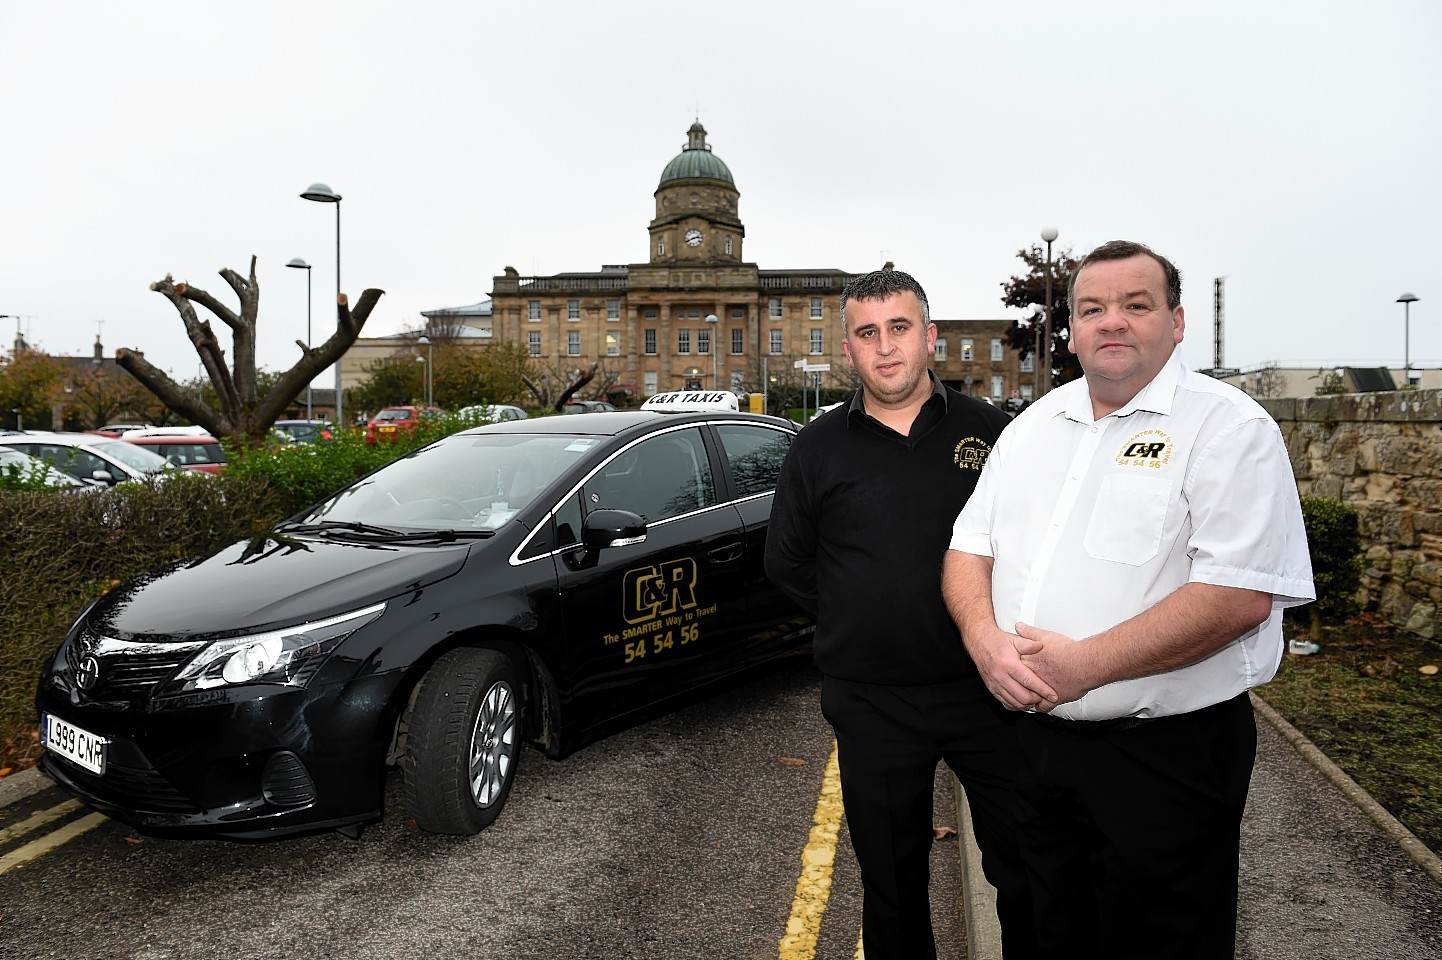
x,y
1130,832
889,741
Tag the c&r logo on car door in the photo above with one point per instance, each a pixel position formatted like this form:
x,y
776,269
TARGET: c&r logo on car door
x,y
658,590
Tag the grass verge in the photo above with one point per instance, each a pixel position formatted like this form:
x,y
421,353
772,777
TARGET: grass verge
x,y
1368,701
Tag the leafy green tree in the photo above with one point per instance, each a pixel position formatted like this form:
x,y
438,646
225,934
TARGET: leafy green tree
x,y
1028,291
494,374
390,381
28,384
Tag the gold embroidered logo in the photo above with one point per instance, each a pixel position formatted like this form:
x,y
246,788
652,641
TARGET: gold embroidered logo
x,y
1150,448
971,453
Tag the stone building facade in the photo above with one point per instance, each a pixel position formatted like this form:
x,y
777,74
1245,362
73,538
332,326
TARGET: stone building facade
x,y
1382,454
696,314
972,356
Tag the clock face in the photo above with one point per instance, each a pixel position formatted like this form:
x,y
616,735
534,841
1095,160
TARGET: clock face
x,y
693,238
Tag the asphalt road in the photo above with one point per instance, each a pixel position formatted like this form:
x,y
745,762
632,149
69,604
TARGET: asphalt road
x,y
680,839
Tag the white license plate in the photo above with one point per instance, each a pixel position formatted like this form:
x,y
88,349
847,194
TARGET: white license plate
x,y
78,746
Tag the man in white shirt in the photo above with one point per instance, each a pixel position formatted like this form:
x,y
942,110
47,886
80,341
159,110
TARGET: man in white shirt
x,y
1120,574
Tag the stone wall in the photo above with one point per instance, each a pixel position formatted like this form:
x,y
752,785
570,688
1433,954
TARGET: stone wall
x,y
1381,453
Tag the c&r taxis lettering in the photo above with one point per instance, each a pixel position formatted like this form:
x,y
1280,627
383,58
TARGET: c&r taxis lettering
x,y
659,604
1150,448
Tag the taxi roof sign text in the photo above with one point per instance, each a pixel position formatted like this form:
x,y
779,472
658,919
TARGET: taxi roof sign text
x,y
690,401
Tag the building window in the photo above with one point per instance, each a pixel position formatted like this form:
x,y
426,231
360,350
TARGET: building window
x,y
738,341
776,307
815,308
775,343
534,343
941,349
703,342
815,341
648,382
1028,365
650,335
738,313
997,386
967,350
683,341
995,349
1026,392
660,246
613,309
533,310
573,343
650,313
613,344
728,246
573,309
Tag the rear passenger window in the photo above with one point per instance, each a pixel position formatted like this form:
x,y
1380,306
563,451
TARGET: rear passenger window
x,y
755,455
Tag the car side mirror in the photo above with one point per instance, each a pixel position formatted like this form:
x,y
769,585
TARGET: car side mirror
x,y
611,528
103,476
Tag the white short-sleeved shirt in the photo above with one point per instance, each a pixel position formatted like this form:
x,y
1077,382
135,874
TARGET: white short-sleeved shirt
x,y
1090,522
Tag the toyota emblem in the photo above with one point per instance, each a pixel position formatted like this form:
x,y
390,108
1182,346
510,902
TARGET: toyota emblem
x,y
88,673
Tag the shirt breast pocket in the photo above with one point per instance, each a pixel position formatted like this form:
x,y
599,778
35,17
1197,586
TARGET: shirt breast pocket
x,y
1126,524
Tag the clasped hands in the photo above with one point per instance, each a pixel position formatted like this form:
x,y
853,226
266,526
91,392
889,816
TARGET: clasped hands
x,y
1032,668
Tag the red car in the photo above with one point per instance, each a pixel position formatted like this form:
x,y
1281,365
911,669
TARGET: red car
x,y
190,451
392,422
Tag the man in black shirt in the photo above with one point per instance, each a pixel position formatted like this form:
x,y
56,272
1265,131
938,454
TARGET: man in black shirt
x,y
861,521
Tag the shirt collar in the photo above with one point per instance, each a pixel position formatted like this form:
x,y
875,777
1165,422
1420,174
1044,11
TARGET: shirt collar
x,y
858,404
1155,397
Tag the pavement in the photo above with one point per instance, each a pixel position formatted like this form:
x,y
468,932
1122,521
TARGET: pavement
x,y
1326,872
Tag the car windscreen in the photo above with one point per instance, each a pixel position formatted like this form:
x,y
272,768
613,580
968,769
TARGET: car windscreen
x,y
133,456
394,415
466,481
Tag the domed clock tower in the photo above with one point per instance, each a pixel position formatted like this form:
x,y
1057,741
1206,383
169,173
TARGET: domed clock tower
x,y
696,219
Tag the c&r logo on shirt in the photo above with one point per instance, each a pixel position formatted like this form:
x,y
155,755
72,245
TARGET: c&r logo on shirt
x,y
1150,448
971,453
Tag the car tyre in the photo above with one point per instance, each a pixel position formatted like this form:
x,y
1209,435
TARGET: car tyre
x,y
463,742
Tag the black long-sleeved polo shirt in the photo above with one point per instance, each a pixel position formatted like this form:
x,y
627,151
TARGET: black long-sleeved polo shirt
x,y
860,524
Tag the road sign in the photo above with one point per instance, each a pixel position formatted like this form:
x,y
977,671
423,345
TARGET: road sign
x,y
815,367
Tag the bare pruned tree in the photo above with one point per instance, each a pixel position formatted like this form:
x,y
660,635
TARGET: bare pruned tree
x,y
242,414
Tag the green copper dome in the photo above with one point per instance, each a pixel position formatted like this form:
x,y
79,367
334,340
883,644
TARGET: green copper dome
x,y
696,160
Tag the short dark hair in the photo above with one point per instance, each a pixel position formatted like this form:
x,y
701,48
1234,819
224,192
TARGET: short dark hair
x,y
1125,250
880,284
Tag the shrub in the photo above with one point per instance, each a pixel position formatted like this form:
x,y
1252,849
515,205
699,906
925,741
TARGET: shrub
x,y
1335,544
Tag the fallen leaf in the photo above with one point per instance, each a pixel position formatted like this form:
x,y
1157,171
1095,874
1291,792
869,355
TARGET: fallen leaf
x,y
942,833
793,761
1428,670
136,840
6,771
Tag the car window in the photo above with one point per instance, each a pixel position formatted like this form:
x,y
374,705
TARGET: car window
x,y
755,454
659,478
77,463
132,455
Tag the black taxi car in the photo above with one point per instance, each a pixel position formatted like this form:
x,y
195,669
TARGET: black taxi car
x,y
549,579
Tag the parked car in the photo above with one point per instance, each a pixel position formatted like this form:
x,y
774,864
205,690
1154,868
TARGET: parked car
x,y
89,456
492,413
200,453
588,406
391,423
24,466
545,581
304,431
120,429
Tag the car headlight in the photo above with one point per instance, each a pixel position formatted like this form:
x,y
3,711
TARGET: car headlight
x,y
290,656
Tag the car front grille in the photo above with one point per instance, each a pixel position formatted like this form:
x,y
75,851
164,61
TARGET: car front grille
x,y
108,670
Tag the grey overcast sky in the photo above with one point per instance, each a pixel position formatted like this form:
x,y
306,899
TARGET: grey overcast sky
x,y
1293,148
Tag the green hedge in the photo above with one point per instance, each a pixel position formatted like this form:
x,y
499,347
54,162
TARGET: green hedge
x,y
1335,542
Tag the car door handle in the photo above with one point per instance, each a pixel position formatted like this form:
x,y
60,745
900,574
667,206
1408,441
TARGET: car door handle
x,y
725,554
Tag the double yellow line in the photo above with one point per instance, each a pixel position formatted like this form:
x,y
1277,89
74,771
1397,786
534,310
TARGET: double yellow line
x,y
813,887
39,847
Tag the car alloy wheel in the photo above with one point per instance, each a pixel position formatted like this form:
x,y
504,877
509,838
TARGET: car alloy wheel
x,y
463,742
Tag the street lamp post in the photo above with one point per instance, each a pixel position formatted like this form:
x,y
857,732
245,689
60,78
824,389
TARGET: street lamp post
x,y
300,264
426,342
1407,299
1048,234
321,193
711,318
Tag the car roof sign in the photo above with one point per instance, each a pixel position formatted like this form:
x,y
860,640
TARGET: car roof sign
x,y
690,401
